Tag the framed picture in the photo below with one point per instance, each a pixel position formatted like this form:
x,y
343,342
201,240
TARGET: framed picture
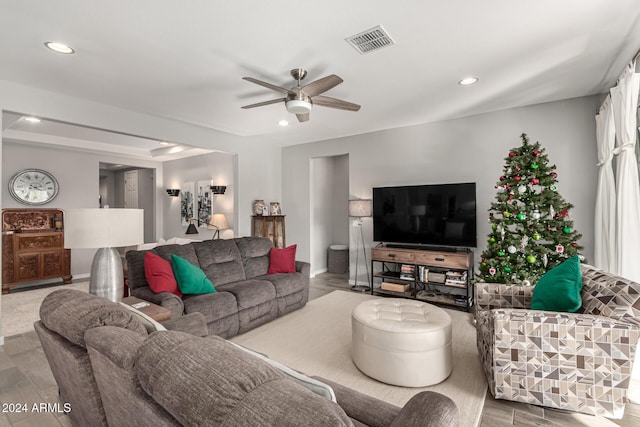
x,y
204,203
275,208
186,203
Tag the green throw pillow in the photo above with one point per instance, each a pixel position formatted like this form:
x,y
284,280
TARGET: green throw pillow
x,y
191,279
559,288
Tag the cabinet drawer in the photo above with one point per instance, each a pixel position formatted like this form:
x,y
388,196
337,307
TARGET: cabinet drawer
x,y
382,254
447,260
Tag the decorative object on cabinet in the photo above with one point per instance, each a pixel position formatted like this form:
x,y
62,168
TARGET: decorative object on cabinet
x,y
32,248
33,187
275,209
218,222
173,192
258,207
106,229
271,226
360,209
434,276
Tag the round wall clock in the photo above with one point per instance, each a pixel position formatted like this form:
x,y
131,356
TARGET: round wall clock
x,y
33,187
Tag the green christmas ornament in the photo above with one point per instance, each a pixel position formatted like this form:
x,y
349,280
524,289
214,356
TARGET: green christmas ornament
x,y
492,239
534,166
507,269
531,259
521,216
494,226
506,214
553,187
501,253
536,236
566,230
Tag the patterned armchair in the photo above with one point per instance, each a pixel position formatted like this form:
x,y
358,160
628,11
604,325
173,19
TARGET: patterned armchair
x,y
573,361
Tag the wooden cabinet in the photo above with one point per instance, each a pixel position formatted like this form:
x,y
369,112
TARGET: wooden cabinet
x,y
32,249
433,276
271,226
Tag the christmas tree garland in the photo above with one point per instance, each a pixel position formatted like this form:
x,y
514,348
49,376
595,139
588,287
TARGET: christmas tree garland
x,y
531,228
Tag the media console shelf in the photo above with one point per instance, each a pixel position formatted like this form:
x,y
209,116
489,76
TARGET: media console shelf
x,y
433,276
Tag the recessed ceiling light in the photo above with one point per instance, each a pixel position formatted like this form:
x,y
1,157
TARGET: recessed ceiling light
x,y
468,81
164,143
32,119
59,47
283,123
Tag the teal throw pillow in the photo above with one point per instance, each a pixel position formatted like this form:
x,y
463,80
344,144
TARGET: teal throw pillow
x,y
191,279
559,288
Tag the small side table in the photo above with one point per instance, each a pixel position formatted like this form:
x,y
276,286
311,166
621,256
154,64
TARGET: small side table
x,y
156,312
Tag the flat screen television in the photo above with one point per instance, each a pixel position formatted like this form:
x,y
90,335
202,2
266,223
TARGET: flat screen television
x,y
439,215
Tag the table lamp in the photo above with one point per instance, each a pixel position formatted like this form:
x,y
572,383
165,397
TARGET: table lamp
x,y
218,222
106,229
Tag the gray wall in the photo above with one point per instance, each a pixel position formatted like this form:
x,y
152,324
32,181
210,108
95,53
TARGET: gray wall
x,y
470,149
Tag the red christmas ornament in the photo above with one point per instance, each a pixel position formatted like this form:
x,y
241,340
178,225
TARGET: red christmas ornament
x,y
518,168
502,178
549,228
574,244
517,178
536,153
535,181
554,175
512,154
562,214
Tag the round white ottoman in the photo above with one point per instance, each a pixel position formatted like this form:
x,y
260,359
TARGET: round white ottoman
x,y
401,342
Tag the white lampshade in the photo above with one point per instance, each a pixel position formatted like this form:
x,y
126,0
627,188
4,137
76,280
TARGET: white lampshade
x,y
103,228
218,222
360,208
297,106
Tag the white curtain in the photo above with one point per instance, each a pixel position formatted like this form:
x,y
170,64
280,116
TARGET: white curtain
x,y
605,215
624,99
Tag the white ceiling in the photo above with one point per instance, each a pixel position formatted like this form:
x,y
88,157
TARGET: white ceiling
x,y
184,60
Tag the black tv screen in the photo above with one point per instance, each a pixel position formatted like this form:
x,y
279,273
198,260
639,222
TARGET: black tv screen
x,y
443,214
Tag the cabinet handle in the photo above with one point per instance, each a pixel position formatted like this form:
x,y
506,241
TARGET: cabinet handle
x,y
391,255
439,259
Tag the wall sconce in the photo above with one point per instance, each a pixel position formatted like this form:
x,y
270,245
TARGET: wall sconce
x,y
218,189
173,192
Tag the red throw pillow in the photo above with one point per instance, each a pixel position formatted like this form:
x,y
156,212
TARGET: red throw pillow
x,y
282,260
159,274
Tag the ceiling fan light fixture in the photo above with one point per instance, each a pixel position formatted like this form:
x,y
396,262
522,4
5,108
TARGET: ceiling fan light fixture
x,y
297,106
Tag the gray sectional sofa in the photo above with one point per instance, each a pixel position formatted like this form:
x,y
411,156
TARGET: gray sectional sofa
x,y
247,296
113,372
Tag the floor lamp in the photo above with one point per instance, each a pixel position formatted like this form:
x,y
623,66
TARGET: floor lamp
x,y
360,209
106,229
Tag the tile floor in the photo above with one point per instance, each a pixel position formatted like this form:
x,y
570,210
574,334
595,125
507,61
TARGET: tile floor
x,y
25,374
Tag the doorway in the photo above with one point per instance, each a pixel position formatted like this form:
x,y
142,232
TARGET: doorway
x,y
329,182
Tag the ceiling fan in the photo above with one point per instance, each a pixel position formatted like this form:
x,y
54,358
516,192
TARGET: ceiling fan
x,y
299,100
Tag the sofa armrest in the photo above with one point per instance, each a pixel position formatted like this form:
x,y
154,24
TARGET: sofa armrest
x,y
304,268
165,299
428,409
499,295
192,323
359,406
117,344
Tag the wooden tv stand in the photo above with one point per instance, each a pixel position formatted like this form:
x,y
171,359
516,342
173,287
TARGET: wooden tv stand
x,y
434,276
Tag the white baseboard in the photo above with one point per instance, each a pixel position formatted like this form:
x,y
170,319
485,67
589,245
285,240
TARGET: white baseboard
x,y
322,270
81,276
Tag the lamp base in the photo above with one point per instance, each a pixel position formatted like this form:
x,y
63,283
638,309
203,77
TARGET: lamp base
x,y
360,288
107,279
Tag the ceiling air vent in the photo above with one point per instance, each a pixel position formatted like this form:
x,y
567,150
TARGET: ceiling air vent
x,y
373,39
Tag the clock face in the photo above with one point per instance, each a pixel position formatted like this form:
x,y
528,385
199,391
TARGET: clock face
x,y
33,187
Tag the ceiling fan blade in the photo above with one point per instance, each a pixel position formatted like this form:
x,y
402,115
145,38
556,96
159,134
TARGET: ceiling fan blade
x,y
260,104
321,85
303,117
267,85
326,101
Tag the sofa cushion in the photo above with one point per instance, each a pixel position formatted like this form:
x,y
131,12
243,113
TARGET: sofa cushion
x,y
183,251
250,293
605,294
255,255
285,283
220,260
559,288
207,381
215,306
282,260
70,313
159,274
191,279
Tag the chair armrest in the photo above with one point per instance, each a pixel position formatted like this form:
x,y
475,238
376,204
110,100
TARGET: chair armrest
x,y
165,299
192,323
303,267
361,407
428,409
500,295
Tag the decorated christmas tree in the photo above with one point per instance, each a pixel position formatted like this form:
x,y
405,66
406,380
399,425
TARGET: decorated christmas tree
x,y
531,226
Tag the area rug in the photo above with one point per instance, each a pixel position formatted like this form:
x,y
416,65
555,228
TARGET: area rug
x,y
316,340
